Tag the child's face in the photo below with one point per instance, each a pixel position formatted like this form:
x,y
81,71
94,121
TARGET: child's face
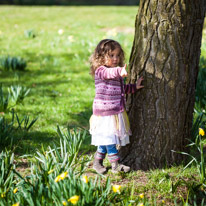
x,y
113,59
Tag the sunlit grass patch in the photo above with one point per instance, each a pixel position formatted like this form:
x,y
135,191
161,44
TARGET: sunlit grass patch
x,y
56,44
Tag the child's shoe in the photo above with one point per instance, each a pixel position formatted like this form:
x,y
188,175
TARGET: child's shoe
x,y
98,163
98,166
116,167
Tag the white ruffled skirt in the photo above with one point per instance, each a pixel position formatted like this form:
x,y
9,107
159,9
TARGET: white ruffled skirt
x,y
107,130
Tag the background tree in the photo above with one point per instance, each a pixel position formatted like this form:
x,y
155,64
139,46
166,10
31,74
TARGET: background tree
x,y
166,52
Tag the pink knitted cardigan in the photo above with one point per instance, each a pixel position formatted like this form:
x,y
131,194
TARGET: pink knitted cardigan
x,y
110,89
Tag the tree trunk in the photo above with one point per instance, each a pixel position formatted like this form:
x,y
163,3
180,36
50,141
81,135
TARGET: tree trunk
x,y
166,52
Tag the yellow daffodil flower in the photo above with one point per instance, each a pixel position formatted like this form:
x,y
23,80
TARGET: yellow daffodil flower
x,y
16,204
201,132
61,177
74,199
85,179
116,188
140,204
141,195
3,195
163,201
57,179
64,202
15,190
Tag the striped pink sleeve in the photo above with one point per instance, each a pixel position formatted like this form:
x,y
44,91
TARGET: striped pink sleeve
x,y
108,73
130,88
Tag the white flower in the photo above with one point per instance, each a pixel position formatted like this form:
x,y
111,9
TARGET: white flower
x,y
70,38
60,31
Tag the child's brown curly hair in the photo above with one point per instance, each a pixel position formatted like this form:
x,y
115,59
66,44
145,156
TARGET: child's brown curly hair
x,y
103,50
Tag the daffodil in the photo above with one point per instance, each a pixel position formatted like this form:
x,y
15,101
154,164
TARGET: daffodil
x,y
163,201
74,199
64,202
141,195
61,176
116,188
15,190
3,195
85,179
201,132
57,179
16,204
140,204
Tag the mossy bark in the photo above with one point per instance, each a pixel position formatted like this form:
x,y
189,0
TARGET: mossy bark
x,y
166,52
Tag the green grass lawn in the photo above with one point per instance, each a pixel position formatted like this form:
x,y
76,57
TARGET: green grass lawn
x,y
57,70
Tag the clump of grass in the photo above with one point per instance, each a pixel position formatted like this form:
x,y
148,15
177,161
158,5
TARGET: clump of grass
x,y
10,128
30,33
12,63
6,131
15,95
4,100
18,93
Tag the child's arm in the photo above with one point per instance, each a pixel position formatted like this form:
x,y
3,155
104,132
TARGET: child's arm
x,y
139,82
110,73
131,88
123,72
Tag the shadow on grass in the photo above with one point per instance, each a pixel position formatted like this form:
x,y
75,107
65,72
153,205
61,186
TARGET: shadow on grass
x,y
29,142
81,118
55,67
46,61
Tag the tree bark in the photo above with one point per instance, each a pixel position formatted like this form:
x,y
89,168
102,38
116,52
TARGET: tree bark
x,y
166,52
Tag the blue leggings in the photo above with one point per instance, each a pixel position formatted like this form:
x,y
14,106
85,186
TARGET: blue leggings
x,y
109,149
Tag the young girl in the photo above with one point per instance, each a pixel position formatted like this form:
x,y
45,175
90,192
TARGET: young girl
x,y
109,124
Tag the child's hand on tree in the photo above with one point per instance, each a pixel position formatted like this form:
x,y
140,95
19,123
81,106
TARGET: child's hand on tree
x,y
139,82
123,72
